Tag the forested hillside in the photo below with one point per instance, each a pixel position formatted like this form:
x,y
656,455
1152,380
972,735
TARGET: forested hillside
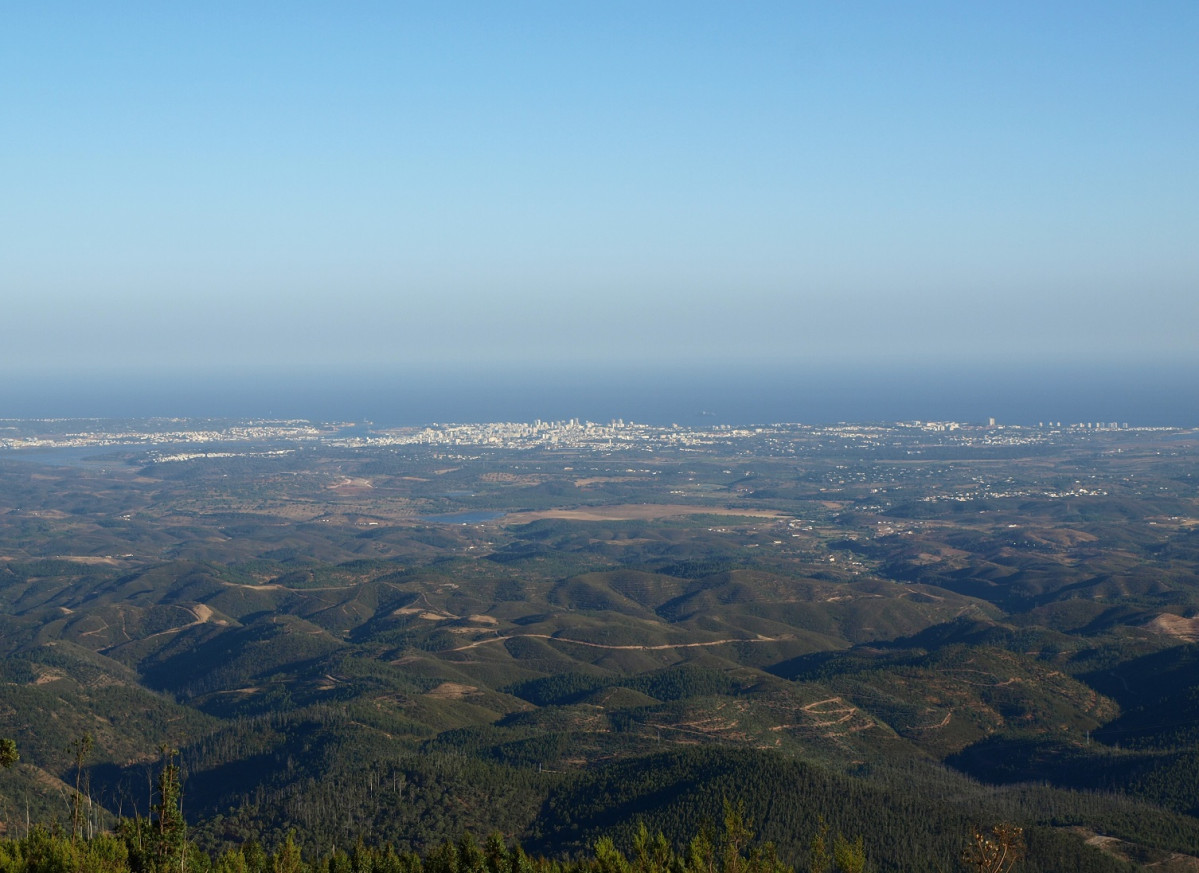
x,y
886,634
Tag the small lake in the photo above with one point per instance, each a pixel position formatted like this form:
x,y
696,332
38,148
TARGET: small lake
x,y
75,456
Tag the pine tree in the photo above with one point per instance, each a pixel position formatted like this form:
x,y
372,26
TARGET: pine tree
x,y
819,860
287,859
170,830
160,845
738,833
850,856
82,748
8,753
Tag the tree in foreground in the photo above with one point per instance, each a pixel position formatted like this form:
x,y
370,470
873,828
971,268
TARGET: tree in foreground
x,y
843,856
160,845
82,750
995,851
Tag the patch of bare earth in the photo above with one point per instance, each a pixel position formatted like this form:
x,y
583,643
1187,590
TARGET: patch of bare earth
x,y
511,479
603,480
46,513
832,716
1146,859
1185,629
1176,521
626,648
425,612
200,612
452,691
351,484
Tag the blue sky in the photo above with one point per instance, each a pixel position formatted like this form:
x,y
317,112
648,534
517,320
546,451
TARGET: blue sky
x,y
273,185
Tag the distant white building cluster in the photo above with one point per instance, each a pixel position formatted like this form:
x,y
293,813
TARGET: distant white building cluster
x,y
576,434
244,432
572,434
618,435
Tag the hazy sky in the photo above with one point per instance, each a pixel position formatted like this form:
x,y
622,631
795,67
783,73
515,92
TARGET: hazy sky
x,y
272,183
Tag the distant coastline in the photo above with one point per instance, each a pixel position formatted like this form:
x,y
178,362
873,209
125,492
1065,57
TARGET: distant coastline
x,y
1142,396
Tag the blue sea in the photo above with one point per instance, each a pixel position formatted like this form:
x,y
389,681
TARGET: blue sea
x,y
1140,396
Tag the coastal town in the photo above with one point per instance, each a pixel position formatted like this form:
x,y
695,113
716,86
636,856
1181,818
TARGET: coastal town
x,y
573,434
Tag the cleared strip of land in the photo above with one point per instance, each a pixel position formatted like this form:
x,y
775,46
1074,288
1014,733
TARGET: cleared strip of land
x,y
635,512
627,648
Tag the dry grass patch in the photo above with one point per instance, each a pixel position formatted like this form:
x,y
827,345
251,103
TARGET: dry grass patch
x,y
91,560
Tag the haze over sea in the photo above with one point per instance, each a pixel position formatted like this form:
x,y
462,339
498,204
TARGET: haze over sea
x,y
1137,395
690,213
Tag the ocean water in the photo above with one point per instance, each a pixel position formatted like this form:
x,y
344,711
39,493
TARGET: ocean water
x,y
1140,396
